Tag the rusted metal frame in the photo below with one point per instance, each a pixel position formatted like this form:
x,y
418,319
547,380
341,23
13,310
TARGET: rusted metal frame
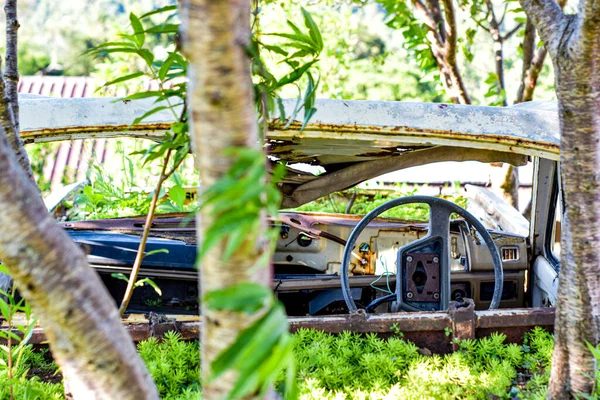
x,y
439,332
359,172
142,131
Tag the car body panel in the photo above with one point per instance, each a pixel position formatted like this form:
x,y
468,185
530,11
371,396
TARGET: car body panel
x,y
340,130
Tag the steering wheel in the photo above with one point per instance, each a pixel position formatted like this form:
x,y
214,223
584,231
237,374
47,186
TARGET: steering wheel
x,y
423,266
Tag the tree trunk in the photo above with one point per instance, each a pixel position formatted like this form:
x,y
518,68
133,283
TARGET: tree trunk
x,y
510,186
9,104
578,314
80,319
216,33
573,42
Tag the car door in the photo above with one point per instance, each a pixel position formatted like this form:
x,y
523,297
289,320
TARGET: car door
x,y
545,233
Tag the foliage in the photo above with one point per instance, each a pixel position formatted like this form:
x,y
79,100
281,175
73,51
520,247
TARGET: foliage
x,y
596,352
27,384
174,365
351,365
237,200
16,357
365,202
143,281
106,197
38,154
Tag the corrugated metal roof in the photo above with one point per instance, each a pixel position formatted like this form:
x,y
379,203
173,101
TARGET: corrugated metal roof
x,y
58,86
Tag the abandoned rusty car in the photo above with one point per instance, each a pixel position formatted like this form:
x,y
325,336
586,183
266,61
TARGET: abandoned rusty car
x,y
472,269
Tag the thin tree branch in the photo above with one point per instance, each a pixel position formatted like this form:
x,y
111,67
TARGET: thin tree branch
x,y
11,74
498,50
137,264
450,52
7,124
485,28
510,33
533,74
549,19
528,48
452,36
9,101
503,14
429,22
434,8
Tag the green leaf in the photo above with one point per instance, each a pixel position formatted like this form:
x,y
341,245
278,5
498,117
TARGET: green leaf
x,y
142,95
281,109
275,49
148,113
138,30
159,10
118,275
166,66
101,47
313,29
156,251
177,195
150,282
259,348
252,344
124,78
295,75
164,28
244,297
236,239
4,269
147,56
5,310
295,38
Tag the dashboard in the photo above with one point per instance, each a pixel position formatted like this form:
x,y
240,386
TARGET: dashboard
x,y
310,248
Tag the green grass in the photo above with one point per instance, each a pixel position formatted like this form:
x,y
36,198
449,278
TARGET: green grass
x,y
351,366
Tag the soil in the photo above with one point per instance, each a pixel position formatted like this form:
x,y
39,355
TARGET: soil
x,y
45,375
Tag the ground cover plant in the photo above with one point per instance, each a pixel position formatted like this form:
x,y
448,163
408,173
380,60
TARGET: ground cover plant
x,y
354,366
345,366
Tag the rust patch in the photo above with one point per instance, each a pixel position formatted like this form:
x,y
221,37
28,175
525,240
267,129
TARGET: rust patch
x,y
48,135
341,130
426,329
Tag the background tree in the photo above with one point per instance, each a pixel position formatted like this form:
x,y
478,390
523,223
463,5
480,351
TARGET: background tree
x,y
573,42
81,322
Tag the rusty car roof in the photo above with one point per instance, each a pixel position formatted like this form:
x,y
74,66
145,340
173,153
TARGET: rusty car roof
x,y
340,131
